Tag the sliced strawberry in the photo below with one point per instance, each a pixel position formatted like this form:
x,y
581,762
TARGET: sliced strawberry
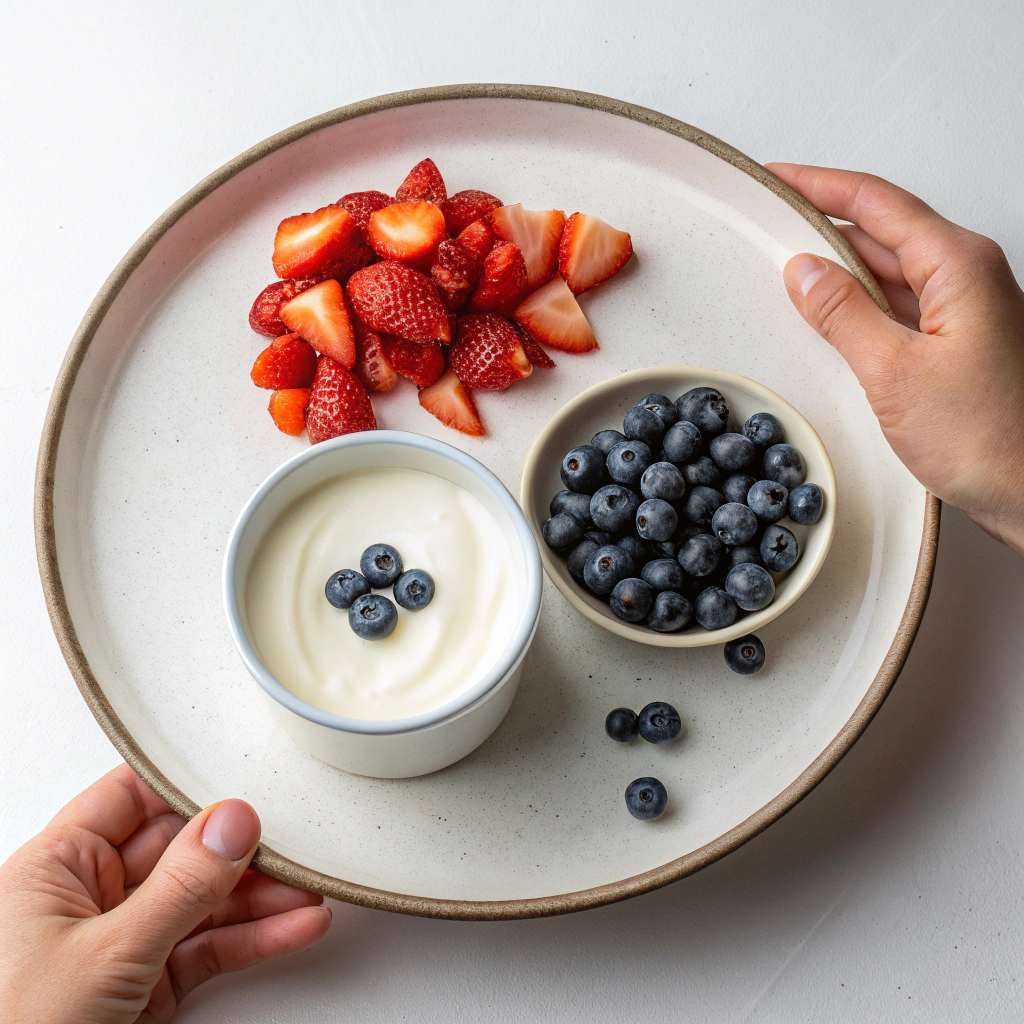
x,y
394,299
452,403
461,209
552,316
423,182
320,316
422,364
488,353
537,356
306,243
338,403
372,366
503,282
287,362
406,231
288,409
264,317
455,272
362,204
591,251
477,239
537,233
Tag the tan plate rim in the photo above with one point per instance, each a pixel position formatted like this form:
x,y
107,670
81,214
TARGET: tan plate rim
x,y
273,863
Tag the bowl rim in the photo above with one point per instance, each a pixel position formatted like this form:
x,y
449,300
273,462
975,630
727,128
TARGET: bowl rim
x,y
724,379
518,642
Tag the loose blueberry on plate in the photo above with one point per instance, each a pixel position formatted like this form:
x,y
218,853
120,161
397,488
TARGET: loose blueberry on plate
x,y
715,609
705,408
656,520
605,440
779,549
373,617
381,564
572,502
637,549
735,487
732,523
768,500
613,507
600,537
562,532
785,465
583,469
764,430
663,480
641,424
627,461
670,612
344,587
621,725
805,503
681,442
701,505
663,574
745,655
700,555
701,472
578,558
605,567
414,589
631,599
750,586
732,452
662,406
745,553
646,798
658,722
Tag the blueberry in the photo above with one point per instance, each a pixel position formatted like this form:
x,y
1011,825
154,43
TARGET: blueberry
x,y
635,547
662,406
700,555
627,461
750,586
414,589
613,507
779,549
733,523
344,587
578,558
656,520
805,504
572,502
681,442
621,725
701,505
381,565
745,553
764,430
732,452
735,487
768,500
701,472
715,609
583,469
658,722
562,532
600,537
632,599
705,408
605,567
373,617
663,480
785,465
605,440
745,655
670,612
665,548
646,798
688,530
663,574
641,424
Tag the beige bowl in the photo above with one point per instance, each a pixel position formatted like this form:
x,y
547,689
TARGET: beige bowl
x,y
602,407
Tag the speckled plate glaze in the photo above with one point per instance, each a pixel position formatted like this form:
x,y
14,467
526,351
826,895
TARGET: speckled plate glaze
x,y
155,438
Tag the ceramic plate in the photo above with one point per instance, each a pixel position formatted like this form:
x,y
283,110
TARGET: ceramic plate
x,y
155,438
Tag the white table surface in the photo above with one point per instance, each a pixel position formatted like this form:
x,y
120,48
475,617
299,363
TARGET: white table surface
x,y
895,891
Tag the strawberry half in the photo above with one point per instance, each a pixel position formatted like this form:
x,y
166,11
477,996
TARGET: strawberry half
x,y
406,231
422,364
591,251
288,410
552,316
488,353
423,182
338,403
394,299
320,316
265,315
477,239
287,362
372,366
362,204
306,243
537,233
451,402
537,356
503,282
461,209
455,272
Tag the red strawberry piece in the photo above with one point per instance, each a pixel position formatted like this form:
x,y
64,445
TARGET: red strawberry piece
x,y
394,299
537,233
452,403
461,209
552,316
264,317
477,239
422,364
357,255
423,182
288,409
320,316
287,362
591,251
488,353
455,272
338,403
372,366
537,356
362,204
306,243
503,282
406,231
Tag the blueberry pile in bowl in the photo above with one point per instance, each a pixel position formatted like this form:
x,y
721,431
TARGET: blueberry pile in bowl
x,y
676,518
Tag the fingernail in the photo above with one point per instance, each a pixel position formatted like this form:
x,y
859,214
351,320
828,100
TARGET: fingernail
x,y
803,272
231,830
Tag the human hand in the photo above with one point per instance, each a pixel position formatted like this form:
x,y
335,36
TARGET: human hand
x,y
119,908
947,381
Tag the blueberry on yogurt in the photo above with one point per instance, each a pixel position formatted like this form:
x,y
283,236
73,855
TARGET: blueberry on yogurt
x,y
345,586
373,617
381,564
414,589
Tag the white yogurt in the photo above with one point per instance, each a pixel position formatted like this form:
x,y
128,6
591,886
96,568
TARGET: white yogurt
x,y
434,654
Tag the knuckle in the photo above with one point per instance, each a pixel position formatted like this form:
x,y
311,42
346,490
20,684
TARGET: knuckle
x,y
188,889
835,308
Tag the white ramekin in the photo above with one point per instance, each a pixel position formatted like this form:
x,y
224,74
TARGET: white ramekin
x,y
404,747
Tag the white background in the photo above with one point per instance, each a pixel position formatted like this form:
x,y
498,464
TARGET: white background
x,y
895,890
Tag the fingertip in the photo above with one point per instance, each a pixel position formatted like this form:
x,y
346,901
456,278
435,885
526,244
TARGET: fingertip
x,y
803,272
232,828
